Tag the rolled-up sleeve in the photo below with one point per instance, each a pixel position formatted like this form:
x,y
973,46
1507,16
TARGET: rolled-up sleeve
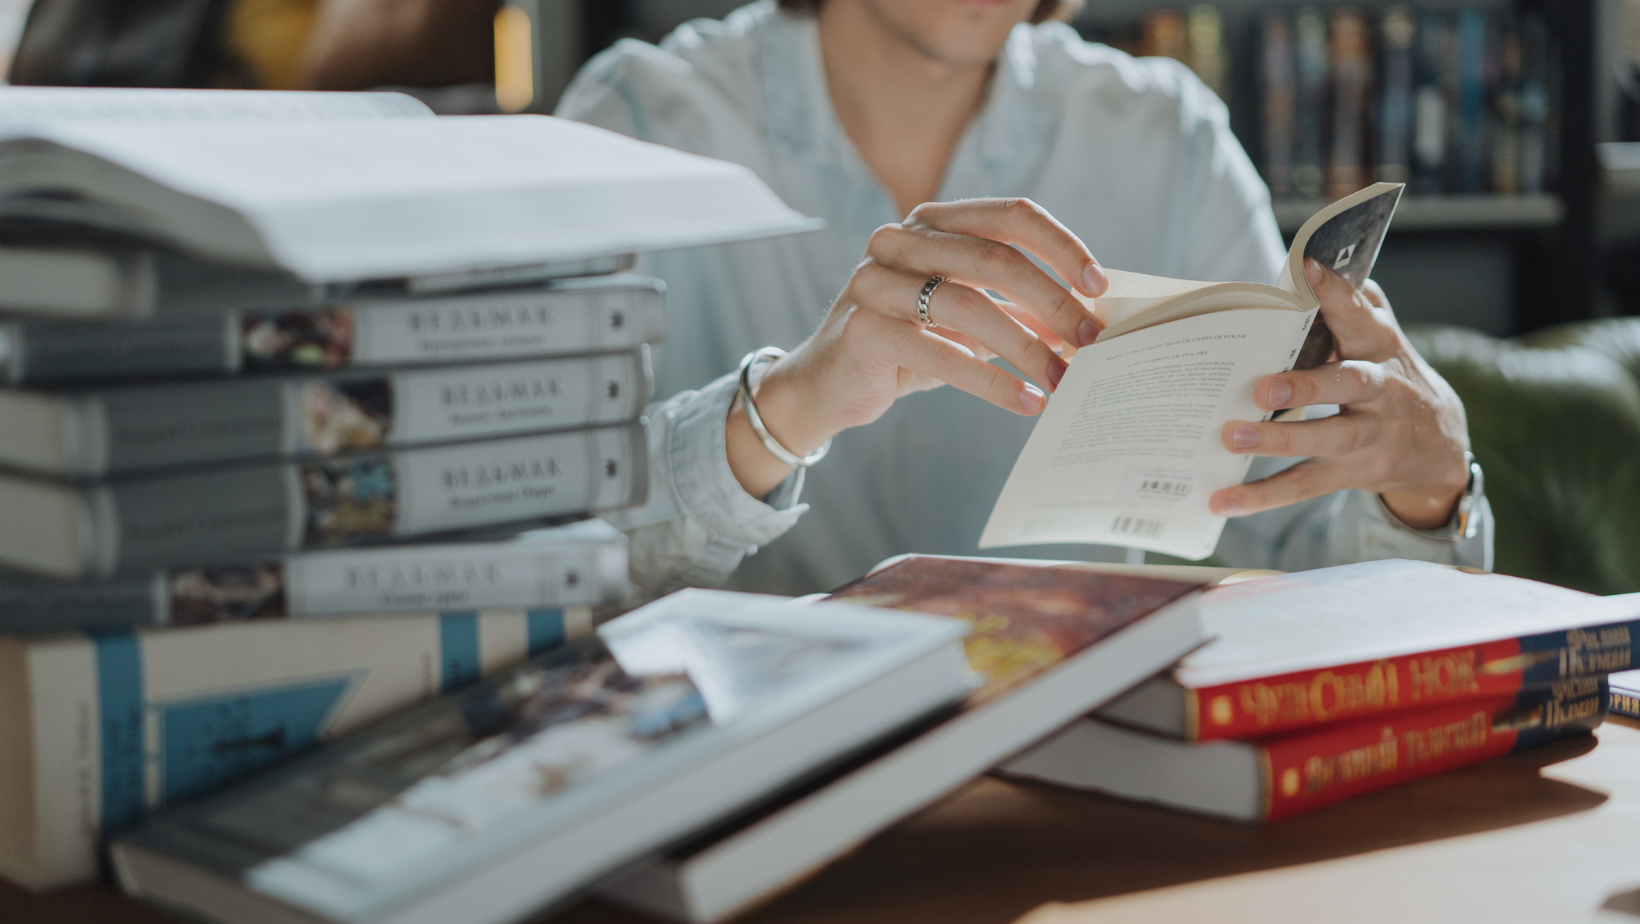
x,y
698,523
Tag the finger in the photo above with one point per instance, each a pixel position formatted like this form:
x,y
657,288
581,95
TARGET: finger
x,y
985,264
1053,340
925,352
1334,383
1024,223
1360,332
1338,435
958,307
1311,478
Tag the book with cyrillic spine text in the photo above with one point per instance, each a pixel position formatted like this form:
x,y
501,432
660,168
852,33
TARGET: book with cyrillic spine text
x,y
1376,639
580,564
564,318
65,272
135,525
497,803
100,432
1276,778
98,730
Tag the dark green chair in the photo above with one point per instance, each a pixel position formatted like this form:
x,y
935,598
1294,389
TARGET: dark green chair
x,y
1554,417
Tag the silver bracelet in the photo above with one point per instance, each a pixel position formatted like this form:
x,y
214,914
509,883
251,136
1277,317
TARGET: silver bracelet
x,y
758,358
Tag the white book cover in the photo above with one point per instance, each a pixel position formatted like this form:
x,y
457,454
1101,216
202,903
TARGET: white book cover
x,y
98,730
492,805
348,199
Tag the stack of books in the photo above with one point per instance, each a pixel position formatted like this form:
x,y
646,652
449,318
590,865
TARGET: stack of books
x,y
1326,685
295,388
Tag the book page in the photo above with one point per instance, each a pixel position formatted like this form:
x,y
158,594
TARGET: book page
x,y
22,107
1128,451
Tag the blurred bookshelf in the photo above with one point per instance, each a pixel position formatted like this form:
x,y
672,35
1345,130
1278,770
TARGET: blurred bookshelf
x,y
1484,108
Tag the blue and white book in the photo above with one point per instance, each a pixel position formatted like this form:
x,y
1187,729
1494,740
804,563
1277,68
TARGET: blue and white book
x,y
497,803
99,729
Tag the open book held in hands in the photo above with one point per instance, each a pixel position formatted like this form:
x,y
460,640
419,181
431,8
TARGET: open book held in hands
x,y
1128,450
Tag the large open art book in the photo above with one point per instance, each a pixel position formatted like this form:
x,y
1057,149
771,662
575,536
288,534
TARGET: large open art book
x,y
1050,641
340,200
497,803
1128,451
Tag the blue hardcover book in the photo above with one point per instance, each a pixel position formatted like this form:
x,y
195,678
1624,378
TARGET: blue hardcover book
x,y
99,729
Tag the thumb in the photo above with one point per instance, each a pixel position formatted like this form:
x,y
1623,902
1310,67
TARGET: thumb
x,y
1357,329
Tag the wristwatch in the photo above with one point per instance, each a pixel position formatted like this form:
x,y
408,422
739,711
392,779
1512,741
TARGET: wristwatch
x,y
1465,520
1468,520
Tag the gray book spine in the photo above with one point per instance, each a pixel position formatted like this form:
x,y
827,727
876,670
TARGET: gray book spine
x,y
125,430
451,578
51,352
565,318
156,523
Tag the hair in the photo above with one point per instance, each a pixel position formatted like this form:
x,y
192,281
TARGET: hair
x,y
1045,9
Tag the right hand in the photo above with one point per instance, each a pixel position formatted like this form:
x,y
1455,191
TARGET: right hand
x,y
872,348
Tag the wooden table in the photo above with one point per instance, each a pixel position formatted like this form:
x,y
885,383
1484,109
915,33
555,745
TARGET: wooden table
x,y
1547,836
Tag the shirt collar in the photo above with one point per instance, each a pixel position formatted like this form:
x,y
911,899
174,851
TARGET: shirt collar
x,y
997,148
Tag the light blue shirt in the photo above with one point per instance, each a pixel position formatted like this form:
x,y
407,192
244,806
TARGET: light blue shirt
x,y
1133,155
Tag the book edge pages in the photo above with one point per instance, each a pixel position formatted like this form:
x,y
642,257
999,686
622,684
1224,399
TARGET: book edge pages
x,y
1190,678
1239,773
714,883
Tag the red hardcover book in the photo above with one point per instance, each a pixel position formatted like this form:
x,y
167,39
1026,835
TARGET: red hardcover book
x,y
1375,639
1281,777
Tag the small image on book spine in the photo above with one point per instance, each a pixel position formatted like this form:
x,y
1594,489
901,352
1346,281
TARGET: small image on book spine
x,y
349,499
283,340
1147,527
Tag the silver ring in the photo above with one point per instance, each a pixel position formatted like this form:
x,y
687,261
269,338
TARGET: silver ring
x,y
923,297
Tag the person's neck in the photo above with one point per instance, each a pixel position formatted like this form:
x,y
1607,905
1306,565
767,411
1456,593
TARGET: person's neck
x,y
904,109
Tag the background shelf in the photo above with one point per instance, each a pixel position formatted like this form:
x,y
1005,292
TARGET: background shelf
x,y
1449,213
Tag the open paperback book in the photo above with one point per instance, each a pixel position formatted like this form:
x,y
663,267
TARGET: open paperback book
x,y
1128,451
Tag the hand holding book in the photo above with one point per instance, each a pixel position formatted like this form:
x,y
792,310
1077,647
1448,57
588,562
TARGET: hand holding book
x,y
1400,430
872,348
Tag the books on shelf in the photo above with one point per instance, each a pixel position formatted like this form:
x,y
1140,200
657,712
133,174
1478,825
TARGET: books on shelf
x,y
580,564
68,530
1050,642
1450,102
1274,778
1374,639
99,729
497,802
1124,455
103,431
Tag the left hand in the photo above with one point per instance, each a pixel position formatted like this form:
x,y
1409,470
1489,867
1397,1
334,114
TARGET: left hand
x,y
1400,431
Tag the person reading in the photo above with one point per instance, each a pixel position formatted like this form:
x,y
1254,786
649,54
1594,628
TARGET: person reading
x,y
970,158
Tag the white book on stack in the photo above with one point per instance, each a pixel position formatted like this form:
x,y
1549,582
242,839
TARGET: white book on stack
x,y
340,200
